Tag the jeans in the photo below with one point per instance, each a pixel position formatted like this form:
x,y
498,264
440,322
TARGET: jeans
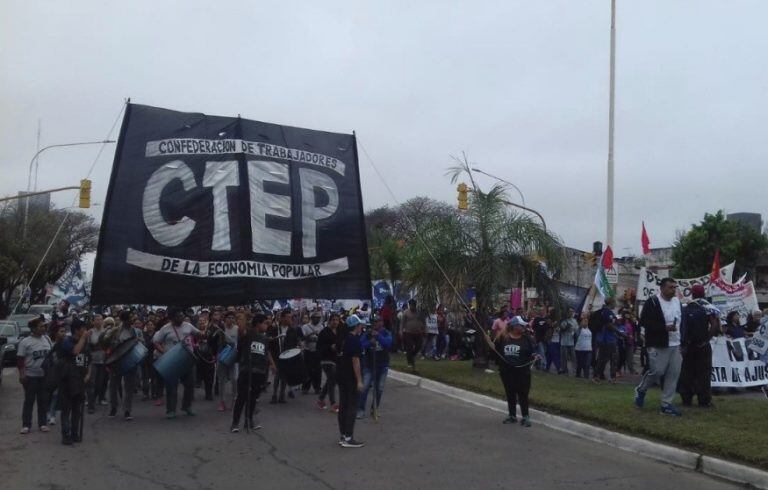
x,y
606,353
329,388
381,378
517,385
666,362
71,415
172,392
583,362
97,385
430,346
412,346
541,350
34,392
553,355
567,356
225,373
695,374
314,373
129,382
248,389
348,396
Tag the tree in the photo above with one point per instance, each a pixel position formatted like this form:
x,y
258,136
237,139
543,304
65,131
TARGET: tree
x,y
19,257
486,248
695,249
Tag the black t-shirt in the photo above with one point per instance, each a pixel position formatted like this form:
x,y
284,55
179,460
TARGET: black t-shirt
x,y
515,352
75,366
348,347
540,327
326,344
252,352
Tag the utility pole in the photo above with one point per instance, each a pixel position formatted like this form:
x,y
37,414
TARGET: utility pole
x,y
612,90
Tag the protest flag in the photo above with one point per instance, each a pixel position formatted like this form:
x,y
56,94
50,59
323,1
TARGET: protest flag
x,y
645,242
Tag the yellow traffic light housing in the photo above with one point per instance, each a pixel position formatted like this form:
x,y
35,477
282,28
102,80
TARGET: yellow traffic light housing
x,y
463,202
85,193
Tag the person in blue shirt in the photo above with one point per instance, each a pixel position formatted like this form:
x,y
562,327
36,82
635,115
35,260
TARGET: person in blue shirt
x,y
375,364
607,342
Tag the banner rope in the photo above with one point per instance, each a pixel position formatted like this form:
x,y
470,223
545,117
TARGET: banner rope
x,y
412,225
66,214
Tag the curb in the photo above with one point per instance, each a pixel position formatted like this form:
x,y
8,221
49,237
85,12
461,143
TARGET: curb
x,y
660,452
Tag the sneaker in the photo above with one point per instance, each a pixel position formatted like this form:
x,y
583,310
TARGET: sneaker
x,y
360,415
91,410
44,428
103,403
159,402
189,412
321,405
341,440
234,429
128,416
509,420
525,421
52,420
335,408
112,413
170,415
66,441
349,442
77,439
639,398
253,425
222,406
670,409
24,430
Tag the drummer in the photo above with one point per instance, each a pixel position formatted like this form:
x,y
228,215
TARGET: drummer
x,y
114,337
177,330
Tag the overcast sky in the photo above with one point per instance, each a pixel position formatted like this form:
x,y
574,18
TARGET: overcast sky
x,y
522,87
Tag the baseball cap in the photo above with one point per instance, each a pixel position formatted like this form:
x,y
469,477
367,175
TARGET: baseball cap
x,y
517,320
353,321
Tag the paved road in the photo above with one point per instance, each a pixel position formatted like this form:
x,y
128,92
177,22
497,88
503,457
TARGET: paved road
x,y
423,440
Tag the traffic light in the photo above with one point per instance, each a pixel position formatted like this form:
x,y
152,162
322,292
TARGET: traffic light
x,y
85,193
463,189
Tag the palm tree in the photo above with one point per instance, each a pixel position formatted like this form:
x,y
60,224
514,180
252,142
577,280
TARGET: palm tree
x,y
487,247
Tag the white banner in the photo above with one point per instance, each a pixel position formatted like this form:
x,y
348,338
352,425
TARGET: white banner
x,y
759,342
432,324
649,283
734,297
735,365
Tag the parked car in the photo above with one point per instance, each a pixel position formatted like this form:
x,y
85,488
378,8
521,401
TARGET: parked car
x,y
41,310
12,332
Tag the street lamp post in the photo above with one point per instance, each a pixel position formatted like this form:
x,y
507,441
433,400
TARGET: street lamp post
x,y
522,197
524,207
32,162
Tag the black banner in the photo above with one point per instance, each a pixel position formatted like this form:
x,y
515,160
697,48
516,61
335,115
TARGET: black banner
x,y
223,210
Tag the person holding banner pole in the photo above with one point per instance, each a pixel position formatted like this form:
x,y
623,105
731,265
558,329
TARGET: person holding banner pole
x,y
699,324
661,318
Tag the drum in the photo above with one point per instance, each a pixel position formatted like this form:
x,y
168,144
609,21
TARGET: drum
x,y
291,365
133,358
121,350
227,355
174,363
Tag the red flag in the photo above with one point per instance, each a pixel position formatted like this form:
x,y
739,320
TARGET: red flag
x,y
716,267
607,258
645,241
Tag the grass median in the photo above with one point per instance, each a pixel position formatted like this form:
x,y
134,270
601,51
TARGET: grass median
x,y
736,429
